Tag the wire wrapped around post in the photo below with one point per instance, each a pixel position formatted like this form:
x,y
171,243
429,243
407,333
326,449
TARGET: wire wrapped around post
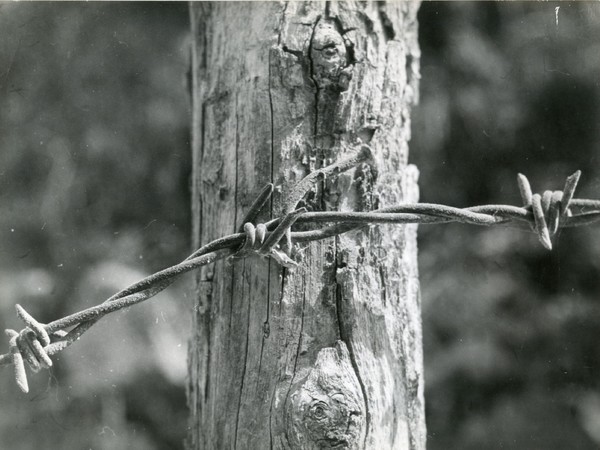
x,y
545,214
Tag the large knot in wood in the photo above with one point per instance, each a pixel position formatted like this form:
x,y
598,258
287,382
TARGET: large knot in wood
x,y
329,56
326,409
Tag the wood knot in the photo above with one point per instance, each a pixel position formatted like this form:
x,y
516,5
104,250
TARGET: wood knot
x,y
329,57
326,410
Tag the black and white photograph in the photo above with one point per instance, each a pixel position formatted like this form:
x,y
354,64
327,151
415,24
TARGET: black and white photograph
x,y
300,225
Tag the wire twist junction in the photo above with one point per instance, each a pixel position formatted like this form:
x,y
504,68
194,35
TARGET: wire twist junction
x,y
545,214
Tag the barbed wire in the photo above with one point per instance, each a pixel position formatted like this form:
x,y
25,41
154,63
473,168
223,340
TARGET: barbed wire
x,y
545,214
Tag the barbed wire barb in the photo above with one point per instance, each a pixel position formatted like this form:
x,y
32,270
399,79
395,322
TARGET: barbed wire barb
x,y
545,214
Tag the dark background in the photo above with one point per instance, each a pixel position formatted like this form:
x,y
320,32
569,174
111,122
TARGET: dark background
x,y
94,194
510,330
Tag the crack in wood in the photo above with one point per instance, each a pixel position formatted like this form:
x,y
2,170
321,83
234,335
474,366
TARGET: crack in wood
x,y
348,342
386,24
296,109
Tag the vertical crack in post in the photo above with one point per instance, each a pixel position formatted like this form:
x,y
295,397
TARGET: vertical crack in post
x,y
235,204
237,160
239,408
386,24
272,175
271,205
273,394
298,349
315,82
344,337
287,394
208,353
242,275
383,286
281,22
200,316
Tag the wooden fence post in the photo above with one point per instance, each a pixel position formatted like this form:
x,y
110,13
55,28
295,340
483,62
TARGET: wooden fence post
x,y
327,354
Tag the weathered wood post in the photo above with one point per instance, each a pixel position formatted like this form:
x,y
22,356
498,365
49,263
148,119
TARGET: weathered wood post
x,y
328,354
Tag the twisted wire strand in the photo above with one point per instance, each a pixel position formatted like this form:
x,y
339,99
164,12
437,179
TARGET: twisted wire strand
x,y
545,214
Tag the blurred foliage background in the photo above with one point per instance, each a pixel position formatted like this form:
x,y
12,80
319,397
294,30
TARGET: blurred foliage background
x,y
511,330
94,194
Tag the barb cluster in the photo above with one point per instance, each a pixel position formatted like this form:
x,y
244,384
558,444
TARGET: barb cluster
x,y
545,214
550,209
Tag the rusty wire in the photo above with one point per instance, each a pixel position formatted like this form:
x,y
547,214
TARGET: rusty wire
x,y
545,214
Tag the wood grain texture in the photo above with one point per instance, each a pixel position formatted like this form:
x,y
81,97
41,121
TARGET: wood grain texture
x,y
328,354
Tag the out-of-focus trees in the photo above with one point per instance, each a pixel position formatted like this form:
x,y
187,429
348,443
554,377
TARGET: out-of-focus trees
x,y
94,167
510,329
